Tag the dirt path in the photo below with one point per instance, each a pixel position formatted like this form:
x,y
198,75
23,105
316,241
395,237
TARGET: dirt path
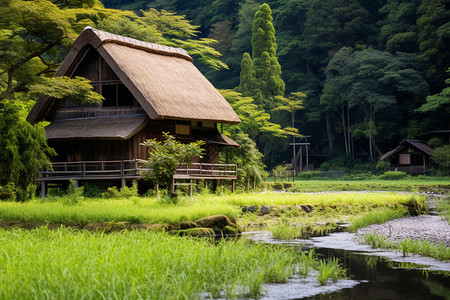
x,y
427,227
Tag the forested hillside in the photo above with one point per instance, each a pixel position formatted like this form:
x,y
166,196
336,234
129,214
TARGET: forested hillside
x,y
356,76
367,67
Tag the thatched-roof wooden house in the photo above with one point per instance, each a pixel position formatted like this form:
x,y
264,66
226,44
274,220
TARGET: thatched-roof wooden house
x,y
148,89
410,156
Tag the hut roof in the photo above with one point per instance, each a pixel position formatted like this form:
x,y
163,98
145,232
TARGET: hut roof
x,y
96,128
163,79
415,143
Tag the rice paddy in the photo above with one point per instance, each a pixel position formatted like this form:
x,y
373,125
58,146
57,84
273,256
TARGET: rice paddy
x,y
68,264
151,211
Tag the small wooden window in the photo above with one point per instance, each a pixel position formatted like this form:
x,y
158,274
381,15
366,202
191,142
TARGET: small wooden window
x,y
182,129
208,124
405,159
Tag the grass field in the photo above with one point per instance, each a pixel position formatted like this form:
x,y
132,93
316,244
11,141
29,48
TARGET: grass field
x,y
68,264
71,264
406,185
151,211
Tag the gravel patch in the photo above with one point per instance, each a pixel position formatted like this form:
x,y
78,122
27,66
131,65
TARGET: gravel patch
x,y
432,228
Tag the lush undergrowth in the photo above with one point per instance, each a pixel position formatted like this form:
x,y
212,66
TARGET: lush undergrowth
x,y
68,264
406,246
151,211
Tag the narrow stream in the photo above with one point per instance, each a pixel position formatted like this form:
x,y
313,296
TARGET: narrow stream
x,y
372,274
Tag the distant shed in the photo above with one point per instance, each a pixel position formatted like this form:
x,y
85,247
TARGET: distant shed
x,y
410,156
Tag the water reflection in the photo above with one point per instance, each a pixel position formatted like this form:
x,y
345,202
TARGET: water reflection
x,y
385,279
373,273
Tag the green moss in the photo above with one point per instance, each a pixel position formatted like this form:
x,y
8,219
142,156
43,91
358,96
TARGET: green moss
x,y
200,232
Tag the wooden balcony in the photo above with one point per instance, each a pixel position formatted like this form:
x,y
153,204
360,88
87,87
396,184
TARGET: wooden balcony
x,y
131,169
205,170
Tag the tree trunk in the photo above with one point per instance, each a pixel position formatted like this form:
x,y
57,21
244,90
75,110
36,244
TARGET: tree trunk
x,y
329,131
350,139
344,130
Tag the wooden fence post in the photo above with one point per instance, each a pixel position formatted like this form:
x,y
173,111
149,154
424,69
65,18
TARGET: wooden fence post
x,y
43,189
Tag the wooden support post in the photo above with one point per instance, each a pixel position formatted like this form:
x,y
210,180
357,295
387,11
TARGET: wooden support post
x,y
43,189
124,182
190,187
157,189
76,183
232,185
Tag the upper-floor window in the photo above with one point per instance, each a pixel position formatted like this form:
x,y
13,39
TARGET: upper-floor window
x,y
116,95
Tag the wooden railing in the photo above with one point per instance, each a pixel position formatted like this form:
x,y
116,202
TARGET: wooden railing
x,y
94,169
91,112
130,169
206,170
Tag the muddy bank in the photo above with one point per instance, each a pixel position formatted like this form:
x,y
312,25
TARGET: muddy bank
x,y
207,226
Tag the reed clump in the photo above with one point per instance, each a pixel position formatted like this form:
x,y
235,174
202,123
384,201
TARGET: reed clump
x,y
408,246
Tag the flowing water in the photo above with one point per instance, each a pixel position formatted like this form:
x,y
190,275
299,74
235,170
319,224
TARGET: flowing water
x,y
372,274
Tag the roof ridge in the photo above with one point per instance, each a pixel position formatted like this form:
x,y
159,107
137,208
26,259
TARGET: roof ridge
x,y
107,37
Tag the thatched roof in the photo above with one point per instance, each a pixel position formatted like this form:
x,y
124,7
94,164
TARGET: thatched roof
x,y
163,79
414,143
96,128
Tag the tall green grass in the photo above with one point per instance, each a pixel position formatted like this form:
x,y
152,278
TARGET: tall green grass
x,y
406,185
335,201
68,264
422,247
100,210
376,217
150,210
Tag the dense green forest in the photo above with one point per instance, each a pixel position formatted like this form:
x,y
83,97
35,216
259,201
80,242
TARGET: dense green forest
x,y
356,76
366,67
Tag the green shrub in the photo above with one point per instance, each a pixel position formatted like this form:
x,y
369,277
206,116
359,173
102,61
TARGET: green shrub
x,y
125,192
92,190
268,186
277,186
382,166
8,192
74,194
111,192
310,174
393,175
287,185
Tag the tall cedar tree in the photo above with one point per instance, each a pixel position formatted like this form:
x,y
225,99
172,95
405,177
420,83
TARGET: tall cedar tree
x,y
266,66
264,48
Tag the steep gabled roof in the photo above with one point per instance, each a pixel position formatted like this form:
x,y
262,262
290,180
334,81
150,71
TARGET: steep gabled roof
x,y
416,144
163,79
